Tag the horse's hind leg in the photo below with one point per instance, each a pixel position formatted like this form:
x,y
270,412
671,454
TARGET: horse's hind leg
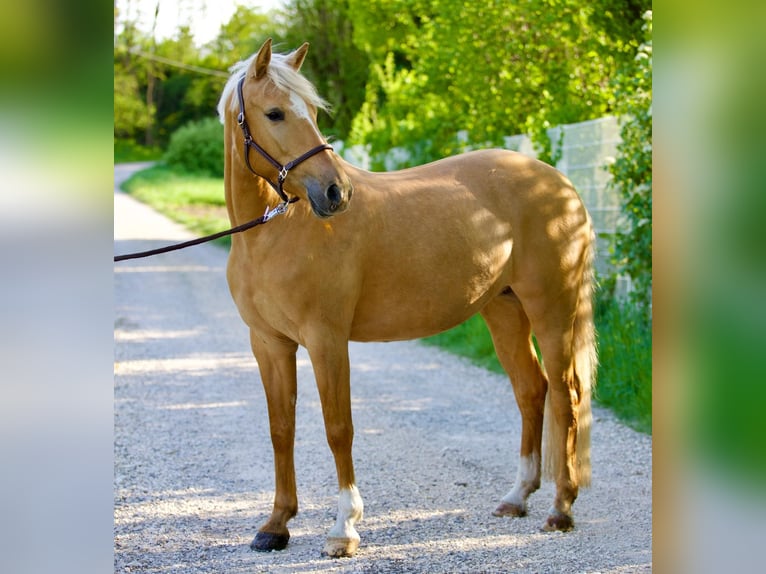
x,y
510,329
276,363
563,326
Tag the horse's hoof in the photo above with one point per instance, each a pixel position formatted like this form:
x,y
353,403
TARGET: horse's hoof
x,y
340,547
509,509
558,521
266,542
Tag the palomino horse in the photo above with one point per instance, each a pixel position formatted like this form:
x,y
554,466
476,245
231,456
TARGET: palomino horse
x,y
414,253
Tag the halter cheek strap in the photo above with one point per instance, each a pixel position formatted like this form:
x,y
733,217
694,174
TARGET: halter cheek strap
x,y
282,170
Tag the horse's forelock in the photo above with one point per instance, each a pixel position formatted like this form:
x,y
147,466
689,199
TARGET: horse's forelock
x,y
281,74
286,78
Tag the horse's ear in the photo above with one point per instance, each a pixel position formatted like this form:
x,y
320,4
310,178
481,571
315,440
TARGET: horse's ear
x,y
261,63
296,58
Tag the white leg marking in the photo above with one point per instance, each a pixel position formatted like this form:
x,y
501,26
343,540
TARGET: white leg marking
x,y
527,479
350,510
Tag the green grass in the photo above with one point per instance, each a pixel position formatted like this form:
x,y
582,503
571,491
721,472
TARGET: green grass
x,y
624,334
196,202
625,362
126,151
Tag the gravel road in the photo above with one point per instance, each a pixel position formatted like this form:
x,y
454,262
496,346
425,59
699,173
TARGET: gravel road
x,y
435,448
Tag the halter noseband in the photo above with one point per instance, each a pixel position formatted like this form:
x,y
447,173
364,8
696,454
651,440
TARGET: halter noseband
x,y
283,170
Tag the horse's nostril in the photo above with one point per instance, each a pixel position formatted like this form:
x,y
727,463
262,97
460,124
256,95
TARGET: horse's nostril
x,y
334,194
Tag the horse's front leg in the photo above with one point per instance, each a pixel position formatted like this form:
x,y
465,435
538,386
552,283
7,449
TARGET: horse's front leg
x,y
329,358
276,362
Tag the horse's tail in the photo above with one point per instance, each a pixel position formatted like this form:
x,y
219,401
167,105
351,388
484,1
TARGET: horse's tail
x,y
585,364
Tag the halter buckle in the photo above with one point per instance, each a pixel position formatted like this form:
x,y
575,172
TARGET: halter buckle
x,y
283,174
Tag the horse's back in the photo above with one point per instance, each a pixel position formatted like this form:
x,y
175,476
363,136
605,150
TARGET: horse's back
x,y
485,197
503,181
442,239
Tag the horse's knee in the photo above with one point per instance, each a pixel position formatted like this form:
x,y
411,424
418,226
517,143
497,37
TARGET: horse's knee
x,y
340,436
531,398
282,437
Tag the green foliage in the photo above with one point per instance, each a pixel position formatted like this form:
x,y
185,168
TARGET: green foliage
x,y
126,150
407,73
131,114
632,171
241,36
491,68
197,148
335,65
162,85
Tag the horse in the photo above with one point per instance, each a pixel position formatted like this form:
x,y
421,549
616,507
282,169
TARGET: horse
x,y
363,256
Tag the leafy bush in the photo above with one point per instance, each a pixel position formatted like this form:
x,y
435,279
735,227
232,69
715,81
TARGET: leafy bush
x,y
197,148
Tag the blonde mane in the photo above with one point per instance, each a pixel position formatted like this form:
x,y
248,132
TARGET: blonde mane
x,y
282,75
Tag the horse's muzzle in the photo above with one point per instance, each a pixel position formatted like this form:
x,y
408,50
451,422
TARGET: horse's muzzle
x,y
330,201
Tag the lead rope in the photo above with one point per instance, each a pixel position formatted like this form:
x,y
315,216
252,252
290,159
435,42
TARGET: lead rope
x,y
266,217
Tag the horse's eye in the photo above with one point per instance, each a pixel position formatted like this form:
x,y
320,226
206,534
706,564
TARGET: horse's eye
x,y
275,115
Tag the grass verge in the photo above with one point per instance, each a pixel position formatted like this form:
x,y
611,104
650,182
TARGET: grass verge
x,y
625,362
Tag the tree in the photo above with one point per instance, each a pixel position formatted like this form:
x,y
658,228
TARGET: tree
x,y
492,68
336,66
240,37
160,86
132,115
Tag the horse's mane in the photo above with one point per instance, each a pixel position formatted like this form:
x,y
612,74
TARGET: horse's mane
x,y
281,74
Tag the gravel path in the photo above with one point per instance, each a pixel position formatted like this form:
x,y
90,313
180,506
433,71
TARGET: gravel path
x,y
435,448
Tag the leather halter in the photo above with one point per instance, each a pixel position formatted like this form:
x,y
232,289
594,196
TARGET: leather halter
x,y
282,170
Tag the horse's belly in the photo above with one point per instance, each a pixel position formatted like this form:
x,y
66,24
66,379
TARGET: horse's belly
x,y
388,330
428,297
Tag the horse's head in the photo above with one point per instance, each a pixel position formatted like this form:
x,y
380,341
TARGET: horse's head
x,y
274,109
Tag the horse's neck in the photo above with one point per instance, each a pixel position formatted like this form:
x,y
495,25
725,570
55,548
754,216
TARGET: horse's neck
x,y
247,195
